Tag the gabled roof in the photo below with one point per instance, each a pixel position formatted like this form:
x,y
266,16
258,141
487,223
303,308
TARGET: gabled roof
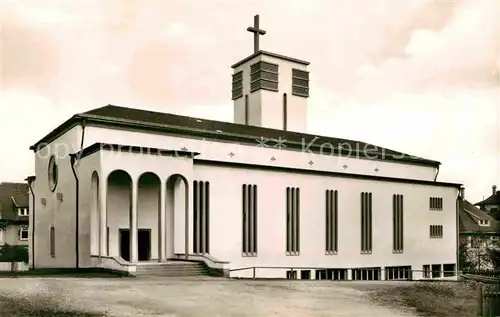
x,y
492,200
130,118
12,196
469,216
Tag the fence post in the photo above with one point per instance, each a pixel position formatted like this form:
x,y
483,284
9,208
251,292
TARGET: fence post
x,y
480,300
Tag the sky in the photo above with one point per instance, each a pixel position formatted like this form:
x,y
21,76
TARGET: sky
x,y
417,76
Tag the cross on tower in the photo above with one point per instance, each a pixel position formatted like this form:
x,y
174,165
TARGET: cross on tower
x,y
256,32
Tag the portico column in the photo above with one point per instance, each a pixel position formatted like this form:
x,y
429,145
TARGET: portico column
x,y
162,255
103,223
133,221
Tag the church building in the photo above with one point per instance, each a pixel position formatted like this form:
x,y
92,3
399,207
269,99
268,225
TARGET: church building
x,y
125,189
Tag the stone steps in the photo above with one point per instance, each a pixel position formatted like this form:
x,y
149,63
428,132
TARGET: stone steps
x,y
173,268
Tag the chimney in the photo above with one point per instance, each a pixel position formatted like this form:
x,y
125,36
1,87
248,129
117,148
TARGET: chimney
x,y
494,187
462,193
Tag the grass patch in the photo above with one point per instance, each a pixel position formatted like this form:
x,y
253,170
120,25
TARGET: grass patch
x,y
37,306
436,299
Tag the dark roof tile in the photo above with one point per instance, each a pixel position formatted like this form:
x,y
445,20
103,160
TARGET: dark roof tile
x,y
492,200
469,216
10,193
241,133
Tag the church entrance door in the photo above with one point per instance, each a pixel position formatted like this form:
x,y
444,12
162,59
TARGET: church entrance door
x,y
143,245
125,244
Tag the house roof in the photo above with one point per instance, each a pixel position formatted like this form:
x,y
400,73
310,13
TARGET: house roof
x,y
13,195
492,200
130,118
469,216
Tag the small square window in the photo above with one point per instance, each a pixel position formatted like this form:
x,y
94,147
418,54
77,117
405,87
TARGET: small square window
x,y
291,275
23,233
305,274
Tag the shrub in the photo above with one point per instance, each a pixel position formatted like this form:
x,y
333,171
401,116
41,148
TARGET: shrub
x,y
14,253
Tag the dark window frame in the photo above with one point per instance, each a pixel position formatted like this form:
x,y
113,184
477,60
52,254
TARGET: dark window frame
x,y
201,217
398,223
53,173
331,222
249,220
293,221
52,242
366,223
436,231
435,203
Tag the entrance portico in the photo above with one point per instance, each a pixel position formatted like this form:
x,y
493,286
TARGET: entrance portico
x,y
140,199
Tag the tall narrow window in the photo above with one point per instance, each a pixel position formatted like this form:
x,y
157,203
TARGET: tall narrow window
x,y
285,110
366,222
201,220
331,221
249,220
107,240
246,110
52,242
397,223
292,221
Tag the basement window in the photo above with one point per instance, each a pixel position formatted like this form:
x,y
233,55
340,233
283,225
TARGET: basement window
x,y
305,274
291,275
448,270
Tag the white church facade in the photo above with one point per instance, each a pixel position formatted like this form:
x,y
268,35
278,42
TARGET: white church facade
x,y
118,187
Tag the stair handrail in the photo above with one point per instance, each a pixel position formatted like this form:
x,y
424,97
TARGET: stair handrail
x,y
124,265
209,260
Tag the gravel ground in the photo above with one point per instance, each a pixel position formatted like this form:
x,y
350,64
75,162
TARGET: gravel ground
x,y
193,297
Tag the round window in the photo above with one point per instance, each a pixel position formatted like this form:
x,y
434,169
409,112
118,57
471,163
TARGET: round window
x,y
52,173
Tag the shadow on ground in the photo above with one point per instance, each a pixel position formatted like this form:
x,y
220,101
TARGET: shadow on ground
x,y
38,307
436,299
208,297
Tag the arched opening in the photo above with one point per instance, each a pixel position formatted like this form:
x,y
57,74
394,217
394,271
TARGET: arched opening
x,y
148,217
117,215
177,216
94,214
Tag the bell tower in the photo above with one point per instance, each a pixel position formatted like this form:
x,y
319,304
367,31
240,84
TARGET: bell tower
x,y
270,90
